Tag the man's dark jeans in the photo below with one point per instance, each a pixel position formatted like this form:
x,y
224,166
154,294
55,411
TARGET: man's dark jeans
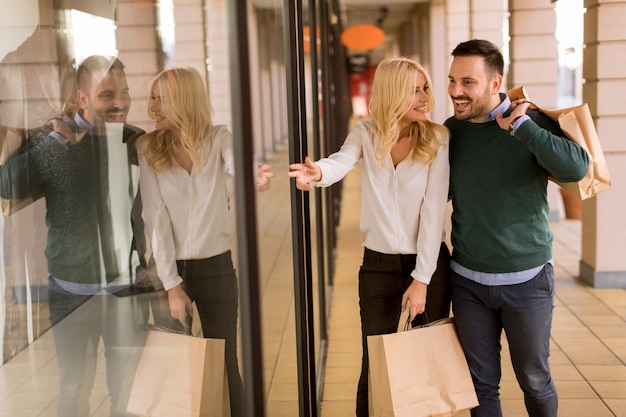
x,y
524,312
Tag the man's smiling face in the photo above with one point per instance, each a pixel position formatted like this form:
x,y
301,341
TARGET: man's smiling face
x,y
106,100
473,90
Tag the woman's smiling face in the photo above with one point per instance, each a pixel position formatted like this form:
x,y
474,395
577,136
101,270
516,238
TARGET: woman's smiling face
x,y
419,108
156,109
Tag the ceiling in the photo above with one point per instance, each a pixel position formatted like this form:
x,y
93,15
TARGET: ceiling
x,y
352,12
389,15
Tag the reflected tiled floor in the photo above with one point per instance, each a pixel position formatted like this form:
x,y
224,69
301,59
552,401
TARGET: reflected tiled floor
x,y
588,337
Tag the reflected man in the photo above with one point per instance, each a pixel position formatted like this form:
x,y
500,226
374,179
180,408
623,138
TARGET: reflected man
x,y
79,174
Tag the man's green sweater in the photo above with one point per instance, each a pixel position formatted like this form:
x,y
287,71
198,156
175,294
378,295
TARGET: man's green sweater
x,y
498,186
71,179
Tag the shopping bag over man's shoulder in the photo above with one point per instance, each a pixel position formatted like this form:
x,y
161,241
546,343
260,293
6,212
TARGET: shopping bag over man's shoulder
x,y
180,375
577,124
419,373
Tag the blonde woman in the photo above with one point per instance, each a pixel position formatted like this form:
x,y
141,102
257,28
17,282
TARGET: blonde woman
x,y
404,190
183,188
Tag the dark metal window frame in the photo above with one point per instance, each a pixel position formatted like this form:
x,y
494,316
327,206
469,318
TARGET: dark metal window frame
x,y
245,193
326,207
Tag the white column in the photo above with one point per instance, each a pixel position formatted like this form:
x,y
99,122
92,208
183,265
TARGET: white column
x,y
603,263
533,50
487,20
218,61
138,49
457,31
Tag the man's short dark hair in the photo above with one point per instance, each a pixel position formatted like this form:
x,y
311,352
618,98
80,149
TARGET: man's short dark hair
x,y
95,63
480,47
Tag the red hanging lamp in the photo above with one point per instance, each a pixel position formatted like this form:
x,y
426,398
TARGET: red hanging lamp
x,y
362,37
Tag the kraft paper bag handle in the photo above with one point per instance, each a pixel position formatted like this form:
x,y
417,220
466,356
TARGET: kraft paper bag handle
x,y
192,326
409,326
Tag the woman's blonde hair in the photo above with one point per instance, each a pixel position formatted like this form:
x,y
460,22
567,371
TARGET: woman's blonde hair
x,y
392,97
185,104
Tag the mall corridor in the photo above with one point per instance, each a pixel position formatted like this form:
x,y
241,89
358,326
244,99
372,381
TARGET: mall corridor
x,y
588,338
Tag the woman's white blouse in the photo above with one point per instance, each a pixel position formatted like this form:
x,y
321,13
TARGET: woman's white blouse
x,y
186,215
402,209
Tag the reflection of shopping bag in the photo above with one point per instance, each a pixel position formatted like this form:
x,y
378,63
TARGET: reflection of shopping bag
x,y
577,124
419,373
11,143
180,375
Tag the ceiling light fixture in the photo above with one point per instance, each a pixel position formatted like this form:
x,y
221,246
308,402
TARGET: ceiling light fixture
x,y
362,37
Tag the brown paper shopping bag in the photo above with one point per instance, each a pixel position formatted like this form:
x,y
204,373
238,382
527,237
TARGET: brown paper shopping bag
x,y
180,375
577,124
419,373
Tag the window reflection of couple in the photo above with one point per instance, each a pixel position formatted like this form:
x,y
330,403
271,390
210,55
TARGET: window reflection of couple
x,y
76,163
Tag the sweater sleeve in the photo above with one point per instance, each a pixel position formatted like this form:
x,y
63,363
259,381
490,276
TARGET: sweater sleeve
x,y
19,173
562,158
158,225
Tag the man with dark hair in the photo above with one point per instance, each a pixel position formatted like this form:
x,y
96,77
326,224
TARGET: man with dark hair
x,y
502,266
85,177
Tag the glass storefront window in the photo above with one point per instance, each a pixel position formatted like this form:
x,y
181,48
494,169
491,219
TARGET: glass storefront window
x,y
86,255
84,261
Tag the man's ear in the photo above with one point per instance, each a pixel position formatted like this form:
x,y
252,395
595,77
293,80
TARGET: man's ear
x,y
82,99
496,84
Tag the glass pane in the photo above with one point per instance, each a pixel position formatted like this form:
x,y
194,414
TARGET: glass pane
x,y
270,124
72,278
85,261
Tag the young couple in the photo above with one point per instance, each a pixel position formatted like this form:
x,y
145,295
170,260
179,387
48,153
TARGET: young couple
x,y
493,160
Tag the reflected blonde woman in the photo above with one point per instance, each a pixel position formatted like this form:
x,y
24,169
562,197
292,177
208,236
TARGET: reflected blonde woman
x,y
404,190
183,186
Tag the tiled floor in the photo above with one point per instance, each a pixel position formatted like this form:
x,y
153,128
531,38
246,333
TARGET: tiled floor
x,y
588,343
588,337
